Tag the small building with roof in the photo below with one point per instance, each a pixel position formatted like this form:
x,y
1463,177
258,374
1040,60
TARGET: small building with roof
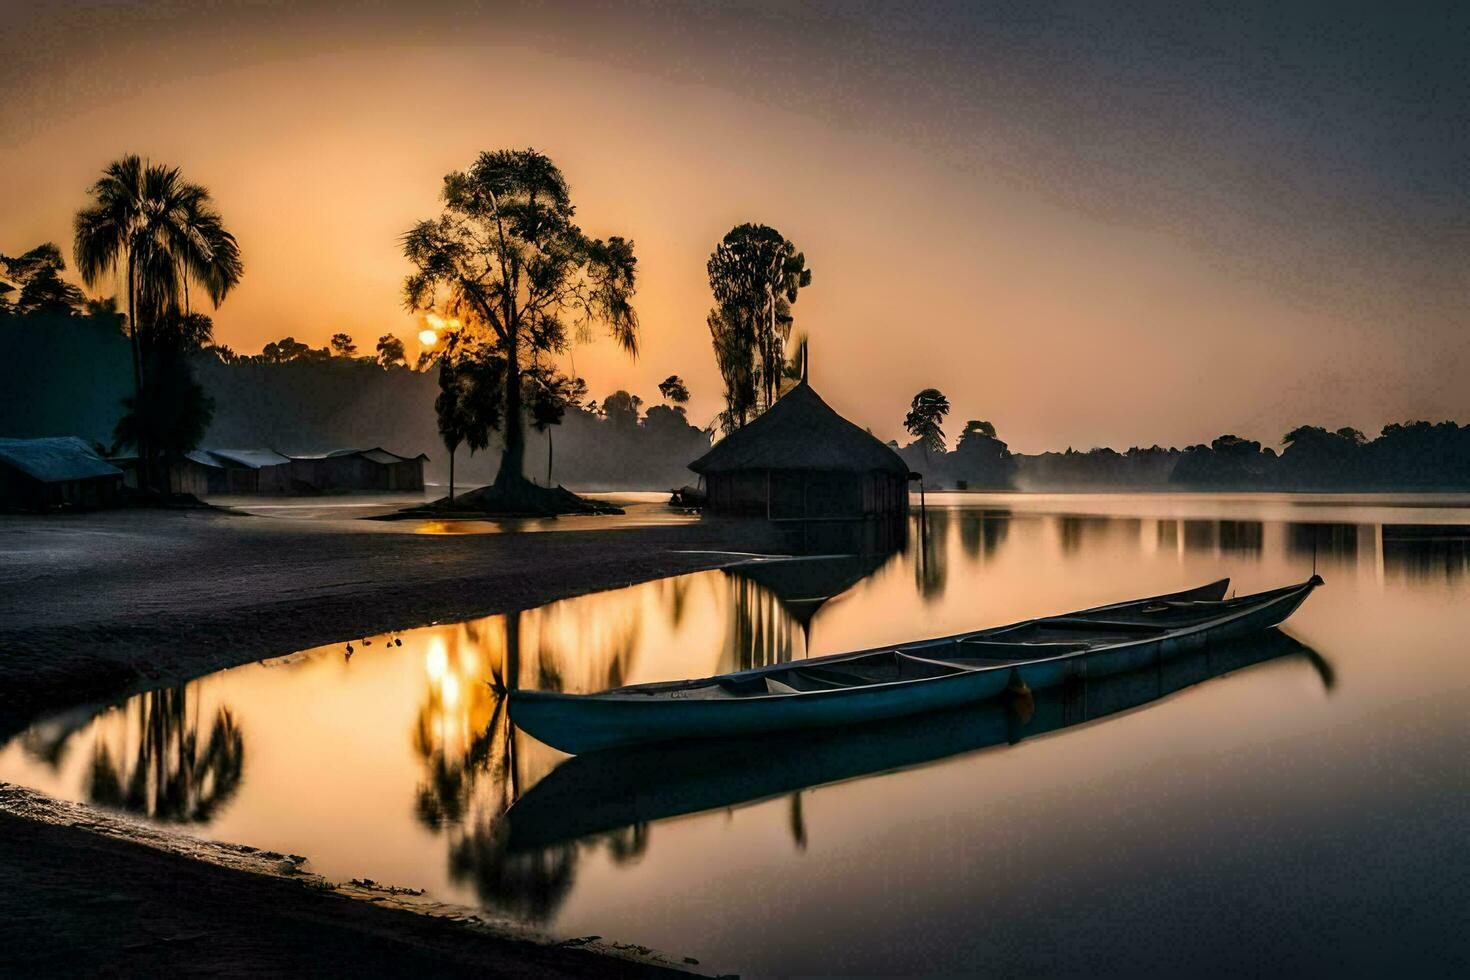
x,y
253,471
55,472
803,464
359,469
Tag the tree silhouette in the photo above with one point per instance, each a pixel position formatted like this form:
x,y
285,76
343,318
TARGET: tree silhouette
x,y
35,278
507,260
390,350
166,233
925,418
735,357
548,396
469,402
673,389
755,275
342,345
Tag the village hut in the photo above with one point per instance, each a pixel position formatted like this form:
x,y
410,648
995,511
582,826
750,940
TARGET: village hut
x,y
803,464
254,471
195,472
61,471
359,469
379,469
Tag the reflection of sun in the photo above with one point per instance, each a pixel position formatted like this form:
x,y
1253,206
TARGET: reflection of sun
x,y
436,661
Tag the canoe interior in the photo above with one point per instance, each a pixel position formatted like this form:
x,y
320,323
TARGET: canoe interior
x,y
1075,633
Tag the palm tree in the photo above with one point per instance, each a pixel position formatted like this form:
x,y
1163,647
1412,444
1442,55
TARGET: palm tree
x,y
166,232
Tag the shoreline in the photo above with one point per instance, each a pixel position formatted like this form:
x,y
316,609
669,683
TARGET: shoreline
x,y
96,607
102,605
100,892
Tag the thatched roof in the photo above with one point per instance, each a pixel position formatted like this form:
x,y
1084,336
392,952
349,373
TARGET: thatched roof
x,y
58,459
800,432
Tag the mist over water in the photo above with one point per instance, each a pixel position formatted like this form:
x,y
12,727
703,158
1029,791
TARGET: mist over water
x,y
1311,785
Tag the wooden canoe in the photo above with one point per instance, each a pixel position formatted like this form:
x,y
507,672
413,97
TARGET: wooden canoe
x,y
640,784
910,678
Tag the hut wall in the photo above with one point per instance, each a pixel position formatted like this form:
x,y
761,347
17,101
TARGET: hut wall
x,y
275,479
407,475
19,491
242,480
188,476
816,495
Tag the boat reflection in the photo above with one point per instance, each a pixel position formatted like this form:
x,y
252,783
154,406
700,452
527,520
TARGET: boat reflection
x,y
601,792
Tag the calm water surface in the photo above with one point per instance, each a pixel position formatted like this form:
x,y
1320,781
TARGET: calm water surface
x,y
1303,805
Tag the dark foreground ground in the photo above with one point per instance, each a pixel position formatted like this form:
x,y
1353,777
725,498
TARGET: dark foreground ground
x,y
82,893
93,607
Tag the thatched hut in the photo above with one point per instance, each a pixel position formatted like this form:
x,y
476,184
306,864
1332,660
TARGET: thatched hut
x,y
803,463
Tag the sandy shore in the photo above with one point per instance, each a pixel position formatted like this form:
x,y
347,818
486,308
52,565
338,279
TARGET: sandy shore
x,y
95,606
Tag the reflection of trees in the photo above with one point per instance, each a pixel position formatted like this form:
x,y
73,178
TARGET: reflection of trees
x,y
761,630
531,885
982,532
468,746
173,775
930,555
1426,551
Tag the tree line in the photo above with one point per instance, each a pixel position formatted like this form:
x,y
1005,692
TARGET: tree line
x,y
1404,456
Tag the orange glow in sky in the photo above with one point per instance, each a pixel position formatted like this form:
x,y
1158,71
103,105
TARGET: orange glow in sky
x,y
1073,286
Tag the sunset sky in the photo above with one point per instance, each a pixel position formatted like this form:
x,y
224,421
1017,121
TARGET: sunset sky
x,y
1087,225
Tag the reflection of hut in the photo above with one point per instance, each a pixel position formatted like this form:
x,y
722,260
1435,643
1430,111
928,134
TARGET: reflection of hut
x,y
254,470
803,463
804,585
62,471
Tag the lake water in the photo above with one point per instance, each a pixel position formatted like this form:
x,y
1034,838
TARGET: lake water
x,y
1303,807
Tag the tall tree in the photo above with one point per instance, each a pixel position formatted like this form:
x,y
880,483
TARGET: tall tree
x,y
755,274
166,233
342,345
735,356
549,394
926,418
35,278
506,258
390,350
469,404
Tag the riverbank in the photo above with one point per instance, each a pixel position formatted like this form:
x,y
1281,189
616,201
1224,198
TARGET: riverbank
x,y
89,892
94,606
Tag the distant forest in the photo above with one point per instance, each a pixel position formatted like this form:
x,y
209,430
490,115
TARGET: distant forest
x,y
300,400
1420,456
74,376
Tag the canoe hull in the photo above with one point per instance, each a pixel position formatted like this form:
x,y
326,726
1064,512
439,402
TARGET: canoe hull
x,y
579,724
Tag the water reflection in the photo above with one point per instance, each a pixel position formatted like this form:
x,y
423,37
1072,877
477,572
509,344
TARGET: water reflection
x,y
592,794
401,763
983,530
1427,551
148,757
